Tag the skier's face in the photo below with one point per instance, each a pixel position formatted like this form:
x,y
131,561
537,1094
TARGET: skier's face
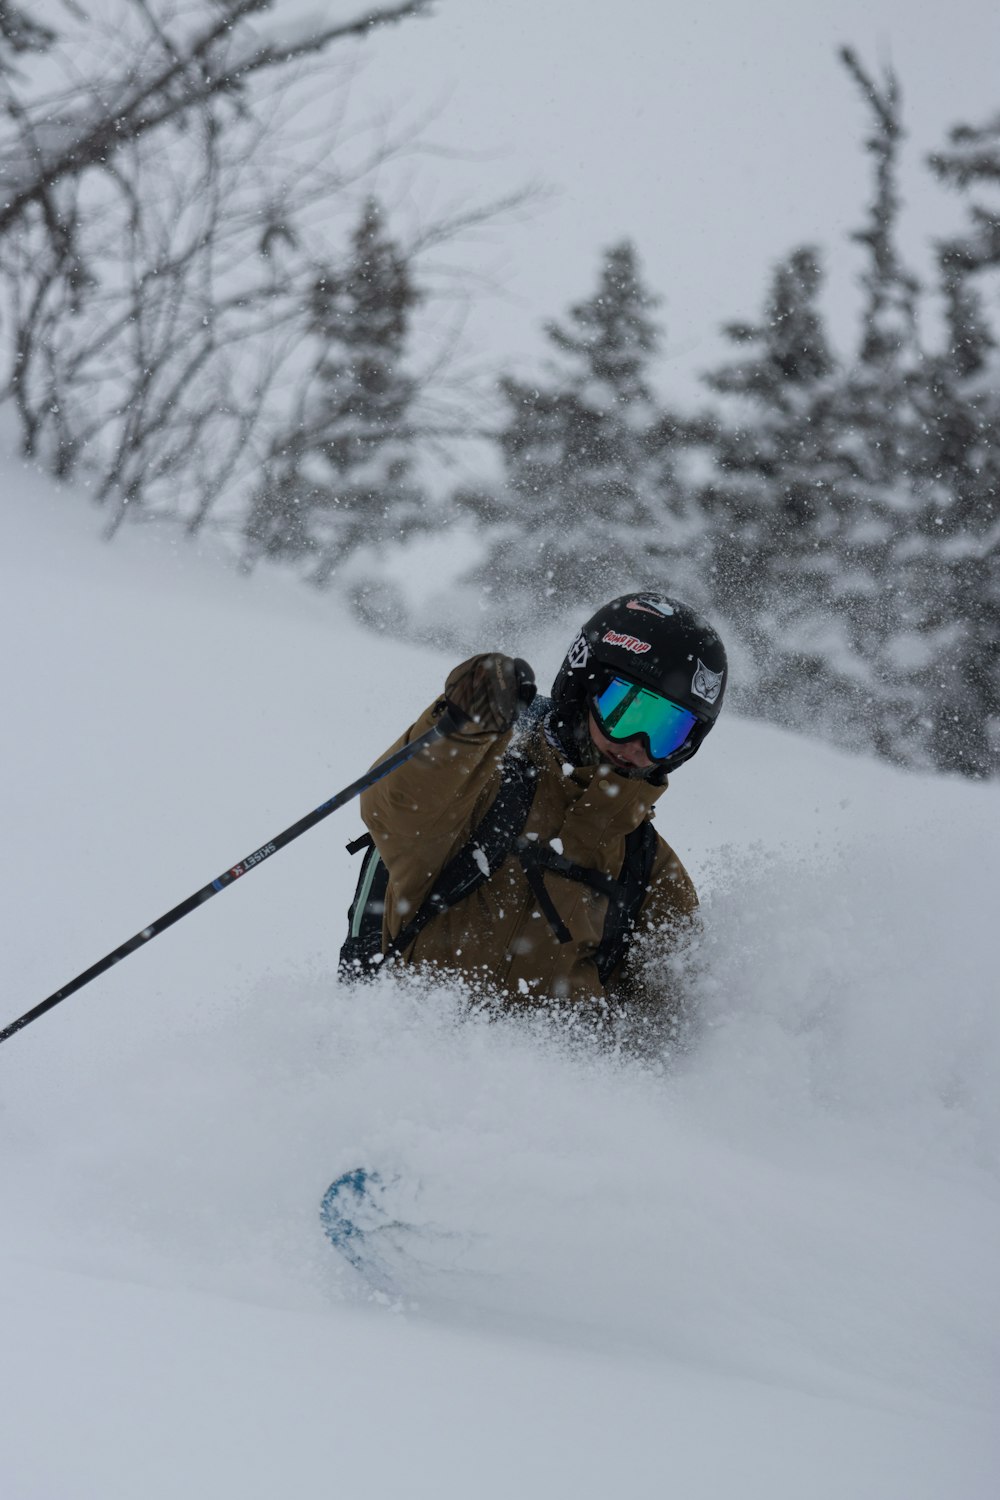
x,y
622,755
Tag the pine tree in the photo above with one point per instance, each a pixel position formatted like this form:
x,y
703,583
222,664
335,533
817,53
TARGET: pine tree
x,y
341,479
773,506
890,321
590,495
927,540
822,502
856,528
883,500
959,580
970,161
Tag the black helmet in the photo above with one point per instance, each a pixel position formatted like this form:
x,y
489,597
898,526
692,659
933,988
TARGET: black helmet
x,y
657,642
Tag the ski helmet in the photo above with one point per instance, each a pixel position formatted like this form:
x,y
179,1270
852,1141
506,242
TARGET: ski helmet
x,y
656,642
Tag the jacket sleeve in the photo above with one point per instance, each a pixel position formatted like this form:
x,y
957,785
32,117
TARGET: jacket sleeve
x,y
423,812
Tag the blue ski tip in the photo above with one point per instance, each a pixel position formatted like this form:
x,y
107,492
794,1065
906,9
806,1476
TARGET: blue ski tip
x,y
342,1202
353,1219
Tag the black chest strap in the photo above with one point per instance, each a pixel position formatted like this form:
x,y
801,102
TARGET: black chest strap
x,y
536,857
624,895
488,847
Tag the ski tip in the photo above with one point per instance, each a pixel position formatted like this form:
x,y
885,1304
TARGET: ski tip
x,y
351,1215
345,1195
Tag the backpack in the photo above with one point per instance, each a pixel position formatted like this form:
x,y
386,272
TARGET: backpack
x,y
499,834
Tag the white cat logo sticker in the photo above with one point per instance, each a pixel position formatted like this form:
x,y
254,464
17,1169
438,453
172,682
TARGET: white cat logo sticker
x,y
706,683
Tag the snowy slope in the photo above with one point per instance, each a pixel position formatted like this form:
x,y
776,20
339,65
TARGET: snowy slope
x,y
770,1272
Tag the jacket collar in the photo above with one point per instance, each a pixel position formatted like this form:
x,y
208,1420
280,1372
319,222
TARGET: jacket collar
x,y
622,801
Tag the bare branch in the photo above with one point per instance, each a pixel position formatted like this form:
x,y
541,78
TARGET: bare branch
x,y
206,67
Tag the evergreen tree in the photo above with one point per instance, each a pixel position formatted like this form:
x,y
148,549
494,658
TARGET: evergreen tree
x,y
924,428
890,322
883,499
960,564
590,494
773,506
341,479
969,162
855,520
820,496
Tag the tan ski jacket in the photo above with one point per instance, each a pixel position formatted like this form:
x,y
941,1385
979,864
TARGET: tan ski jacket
x,y
425,812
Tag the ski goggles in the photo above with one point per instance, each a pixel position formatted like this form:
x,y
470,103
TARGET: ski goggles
x,y
625,710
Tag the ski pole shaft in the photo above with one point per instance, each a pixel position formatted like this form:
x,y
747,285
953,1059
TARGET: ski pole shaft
x,y
445,725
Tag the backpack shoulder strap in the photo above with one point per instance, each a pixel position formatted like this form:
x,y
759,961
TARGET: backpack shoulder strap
x,y
634,883
482,855
625,895
488,846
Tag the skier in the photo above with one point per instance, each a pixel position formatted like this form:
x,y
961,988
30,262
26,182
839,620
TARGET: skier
x,y
518,849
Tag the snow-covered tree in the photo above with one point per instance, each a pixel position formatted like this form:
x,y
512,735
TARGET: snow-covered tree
x,y
959,578
854,512
590,495
890,321
924,425
878,416
342,477
775,505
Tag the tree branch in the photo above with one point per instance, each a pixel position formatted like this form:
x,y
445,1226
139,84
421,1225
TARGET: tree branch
x,y
90,141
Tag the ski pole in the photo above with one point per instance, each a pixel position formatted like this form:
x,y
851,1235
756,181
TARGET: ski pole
x,y
444,725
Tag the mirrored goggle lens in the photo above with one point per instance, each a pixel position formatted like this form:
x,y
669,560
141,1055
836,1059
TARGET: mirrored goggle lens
x,y
626,710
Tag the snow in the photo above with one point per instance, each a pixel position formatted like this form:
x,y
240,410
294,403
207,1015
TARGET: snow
x,y
770,1270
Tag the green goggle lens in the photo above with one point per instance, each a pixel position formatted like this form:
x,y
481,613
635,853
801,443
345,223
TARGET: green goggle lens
x,y
624,711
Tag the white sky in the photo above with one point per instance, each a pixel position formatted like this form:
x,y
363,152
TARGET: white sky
x,y
717,135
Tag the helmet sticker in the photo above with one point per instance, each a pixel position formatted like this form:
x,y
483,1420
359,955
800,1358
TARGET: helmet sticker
x,y
579,653
706,683
650,604
626,642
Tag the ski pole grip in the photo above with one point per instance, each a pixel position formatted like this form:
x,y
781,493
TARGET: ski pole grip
x,y
486,695
452,719
527,688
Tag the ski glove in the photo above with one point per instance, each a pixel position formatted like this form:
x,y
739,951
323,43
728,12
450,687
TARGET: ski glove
x,y
487,693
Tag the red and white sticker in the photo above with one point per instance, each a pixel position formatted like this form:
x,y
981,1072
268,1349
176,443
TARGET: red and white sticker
x,y
626,642
651,604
